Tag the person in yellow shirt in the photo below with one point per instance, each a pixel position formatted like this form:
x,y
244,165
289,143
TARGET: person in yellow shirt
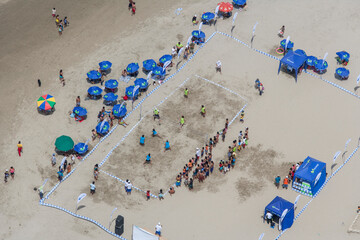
x,y
19,145
203,111
182,121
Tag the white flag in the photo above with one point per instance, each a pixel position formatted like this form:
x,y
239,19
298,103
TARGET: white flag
x,y
358,80
346,144
189,41
102,124
336,155
87,141
45,182
200,25
135,89
296,200
282,217
166,64
253,31
233,21
261,236
217,10
81,197
287,42
325,56
149,75
180,52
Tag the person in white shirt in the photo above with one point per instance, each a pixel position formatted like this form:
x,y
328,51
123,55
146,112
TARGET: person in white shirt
x,y
158,229
92,188
174,51
268,217
129,188
218,66
53,159
53,12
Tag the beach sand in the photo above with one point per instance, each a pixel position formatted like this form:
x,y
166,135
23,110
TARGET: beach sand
x,y
288,123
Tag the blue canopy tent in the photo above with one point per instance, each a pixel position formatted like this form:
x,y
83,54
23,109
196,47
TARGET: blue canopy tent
x,y
80,111
105,65
149,64
102,128
310,176
111,85
81,148
119,110
293,61
343,55
283,209
93,76
94,92
310,61
110,98
289,46
132,68
207,17
239,2
321,66
342,73
129,92
158,71
164,59
199,36
142,83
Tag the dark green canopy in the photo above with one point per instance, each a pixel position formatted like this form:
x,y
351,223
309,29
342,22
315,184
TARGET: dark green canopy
x,y
64,143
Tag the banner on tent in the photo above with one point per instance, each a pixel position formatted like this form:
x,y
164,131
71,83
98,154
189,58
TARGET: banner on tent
x,y
141,234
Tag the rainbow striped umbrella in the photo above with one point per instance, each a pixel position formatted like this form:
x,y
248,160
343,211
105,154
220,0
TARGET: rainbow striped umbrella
x,y
46,102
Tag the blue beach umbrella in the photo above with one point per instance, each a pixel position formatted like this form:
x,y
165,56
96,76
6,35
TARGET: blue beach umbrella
x,y
132,67
165,58
208,16
239,2
290,44
95,91
105,65
149,64
343,55
111,84
81,148
300,52
143,83
129,91
198,34
102,127
119,111
342,72
93,75
158,71
110,97
321,65
311,60
80,111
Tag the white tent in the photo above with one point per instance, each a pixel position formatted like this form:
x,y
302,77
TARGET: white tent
x,y
141,234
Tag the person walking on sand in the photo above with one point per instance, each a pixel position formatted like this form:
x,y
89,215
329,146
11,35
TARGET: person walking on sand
x,y
133,9
158,229
161,195
182,121
20,148
218,66
277,182
167,145
12,172
78,101
155,134
128,188
281,31
130,4
148,159
92,188
53,159
66,22
41,191
186,93
202,110
6,175
53,12
142,140
60,30
61,77
156,114
261,89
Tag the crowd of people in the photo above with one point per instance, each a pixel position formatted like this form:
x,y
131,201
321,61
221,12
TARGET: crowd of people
x,y
60,23
287,179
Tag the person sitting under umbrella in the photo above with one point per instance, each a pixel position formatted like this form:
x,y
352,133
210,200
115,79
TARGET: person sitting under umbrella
x,y
194,20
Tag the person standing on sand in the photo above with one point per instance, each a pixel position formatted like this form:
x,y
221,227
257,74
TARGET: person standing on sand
x,y
167,145
6,175
182,121
133,9
20,148
203,111
60,32
277,182
128,188
92,188
12,172
186,93
130,4
78,101
61,76
41,191
218,66
53,12
53,159
158,229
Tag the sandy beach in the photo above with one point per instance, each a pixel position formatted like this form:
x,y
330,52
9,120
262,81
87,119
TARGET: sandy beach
x,y
290,121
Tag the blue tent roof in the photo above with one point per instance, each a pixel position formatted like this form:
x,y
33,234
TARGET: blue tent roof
x,y
132,67
149,64
81,148
105,65
111,97
239,2
95,91
80,111
158,71
300,52
142,82
93,75
342,72
208,16
311,60
129,91
343,55
290,44
198,34
309,169
111,84
119,112
165,58
293,59
321,64
102,129
278,205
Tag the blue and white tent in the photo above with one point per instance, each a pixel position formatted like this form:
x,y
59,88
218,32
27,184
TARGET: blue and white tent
x,y
282,209
310,176
293,60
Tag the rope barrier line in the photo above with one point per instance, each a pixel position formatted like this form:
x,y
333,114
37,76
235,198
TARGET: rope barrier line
x,y
83,218
122,181
316,194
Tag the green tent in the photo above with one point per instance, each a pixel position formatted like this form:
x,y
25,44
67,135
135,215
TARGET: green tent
x,y
64,143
